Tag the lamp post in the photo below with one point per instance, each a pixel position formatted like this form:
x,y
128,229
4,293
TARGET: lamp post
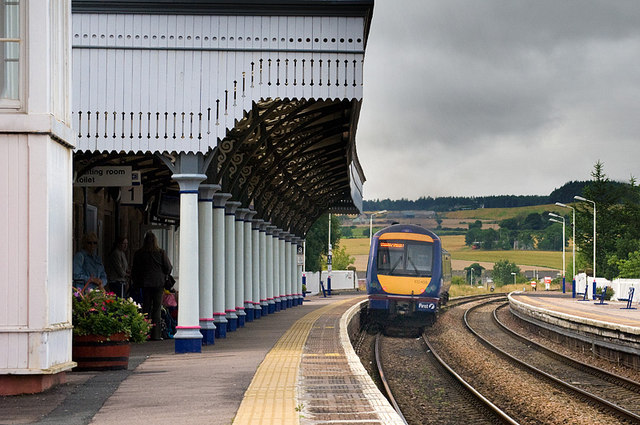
x,y
471,270
514,277
580,198
563,242
371,224
329,259
573,225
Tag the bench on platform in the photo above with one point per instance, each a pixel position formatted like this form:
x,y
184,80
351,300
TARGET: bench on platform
x,y
601,296
629,299
583,295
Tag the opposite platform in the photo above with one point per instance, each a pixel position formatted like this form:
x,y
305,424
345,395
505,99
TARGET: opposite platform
x,y
608,330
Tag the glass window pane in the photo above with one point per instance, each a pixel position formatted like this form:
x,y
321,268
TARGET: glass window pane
x,y
9,49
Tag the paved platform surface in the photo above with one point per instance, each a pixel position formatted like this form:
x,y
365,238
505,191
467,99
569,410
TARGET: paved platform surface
x,y
258,366
611,313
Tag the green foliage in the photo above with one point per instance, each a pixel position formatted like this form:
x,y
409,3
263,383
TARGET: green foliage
x,y
475,225
341,260
317,239
347,231
627,268
617,231
102,313
458,280
502,270
477,272
608,295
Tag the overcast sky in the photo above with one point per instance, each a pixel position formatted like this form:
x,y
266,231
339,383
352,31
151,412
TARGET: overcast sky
x,y
472,98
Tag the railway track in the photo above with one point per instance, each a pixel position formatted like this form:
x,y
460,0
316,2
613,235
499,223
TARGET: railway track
x,y
618,395
449,399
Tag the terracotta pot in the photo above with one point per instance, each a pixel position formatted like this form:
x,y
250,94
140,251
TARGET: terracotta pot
x,y
94,352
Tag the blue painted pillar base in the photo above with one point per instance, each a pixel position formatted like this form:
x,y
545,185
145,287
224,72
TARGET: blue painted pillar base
x,y
250,314
563,285
208,336
241,320
278,305
265,310
283,303
593,294
573,289
289,302
272,308
221,330
257,312
232,324
188,345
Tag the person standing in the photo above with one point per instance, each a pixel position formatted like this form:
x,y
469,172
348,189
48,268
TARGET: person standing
x,y
117,267
149,272
88,270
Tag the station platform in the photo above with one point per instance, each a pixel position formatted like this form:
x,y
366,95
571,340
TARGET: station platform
x,y
293,367
607,329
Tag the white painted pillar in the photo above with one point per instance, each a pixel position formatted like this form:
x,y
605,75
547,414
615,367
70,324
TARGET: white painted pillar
x,y
293,270
282,269
248,266
188,338
299,266
219,314
275,240
270,269
240,214
287,270
255,270
205,243
264,301
230,265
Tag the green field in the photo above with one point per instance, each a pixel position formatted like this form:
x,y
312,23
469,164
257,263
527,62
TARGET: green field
x,y
465,290
359,248
497,214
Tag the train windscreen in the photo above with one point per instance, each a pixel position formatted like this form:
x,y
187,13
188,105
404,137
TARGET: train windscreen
x,y
405,258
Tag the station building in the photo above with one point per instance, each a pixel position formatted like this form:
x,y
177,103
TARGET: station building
x,y
226,128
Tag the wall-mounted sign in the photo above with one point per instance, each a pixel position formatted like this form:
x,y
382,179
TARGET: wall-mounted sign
x,y
132,195
105,176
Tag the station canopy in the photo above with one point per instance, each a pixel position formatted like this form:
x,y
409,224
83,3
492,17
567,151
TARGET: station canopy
x,y
268,95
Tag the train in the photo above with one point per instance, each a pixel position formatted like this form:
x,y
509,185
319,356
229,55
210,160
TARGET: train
x,y
408,277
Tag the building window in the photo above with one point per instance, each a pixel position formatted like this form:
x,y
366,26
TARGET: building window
x,y
9,51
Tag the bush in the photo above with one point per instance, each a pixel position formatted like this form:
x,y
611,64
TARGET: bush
x,y
458,280
609,293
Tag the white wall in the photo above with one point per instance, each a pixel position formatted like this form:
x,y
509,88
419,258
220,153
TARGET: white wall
x,y
36,200
620,286
340,279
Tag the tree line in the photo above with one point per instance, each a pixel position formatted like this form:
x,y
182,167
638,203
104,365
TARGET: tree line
x,y
562,194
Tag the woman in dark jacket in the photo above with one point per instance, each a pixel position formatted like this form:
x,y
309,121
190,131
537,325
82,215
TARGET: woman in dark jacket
x,y
149,272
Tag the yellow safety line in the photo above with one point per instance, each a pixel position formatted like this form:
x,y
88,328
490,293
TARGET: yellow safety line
x,y
271,397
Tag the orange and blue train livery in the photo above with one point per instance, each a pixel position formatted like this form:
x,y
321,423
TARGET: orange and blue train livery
x,y
408,275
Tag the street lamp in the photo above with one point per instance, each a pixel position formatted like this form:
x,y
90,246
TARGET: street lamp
x,y
573,225
514,277
580,198
555,220
371,224
471,270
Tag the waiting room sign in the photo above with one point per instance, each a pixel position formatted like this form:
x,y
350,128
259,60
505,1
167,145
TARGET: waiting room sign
x,y
106,176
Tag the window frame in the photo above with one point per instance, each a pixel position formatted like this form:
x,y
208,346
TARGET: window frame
x,y
10,105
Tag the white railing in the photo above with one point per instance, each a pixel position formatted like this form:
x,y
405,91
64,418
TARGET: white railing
x,y
157,83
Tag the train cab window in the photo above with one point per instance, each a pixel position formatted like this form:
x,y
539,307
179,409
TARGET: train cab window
x,y
405,258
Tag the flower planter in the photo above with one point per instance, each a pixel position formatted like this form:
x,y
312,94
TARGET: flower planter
x,y
96,352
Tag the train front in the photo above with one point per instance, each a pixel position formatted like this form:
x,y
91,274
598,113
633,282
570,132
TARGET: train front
x,y
404,275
